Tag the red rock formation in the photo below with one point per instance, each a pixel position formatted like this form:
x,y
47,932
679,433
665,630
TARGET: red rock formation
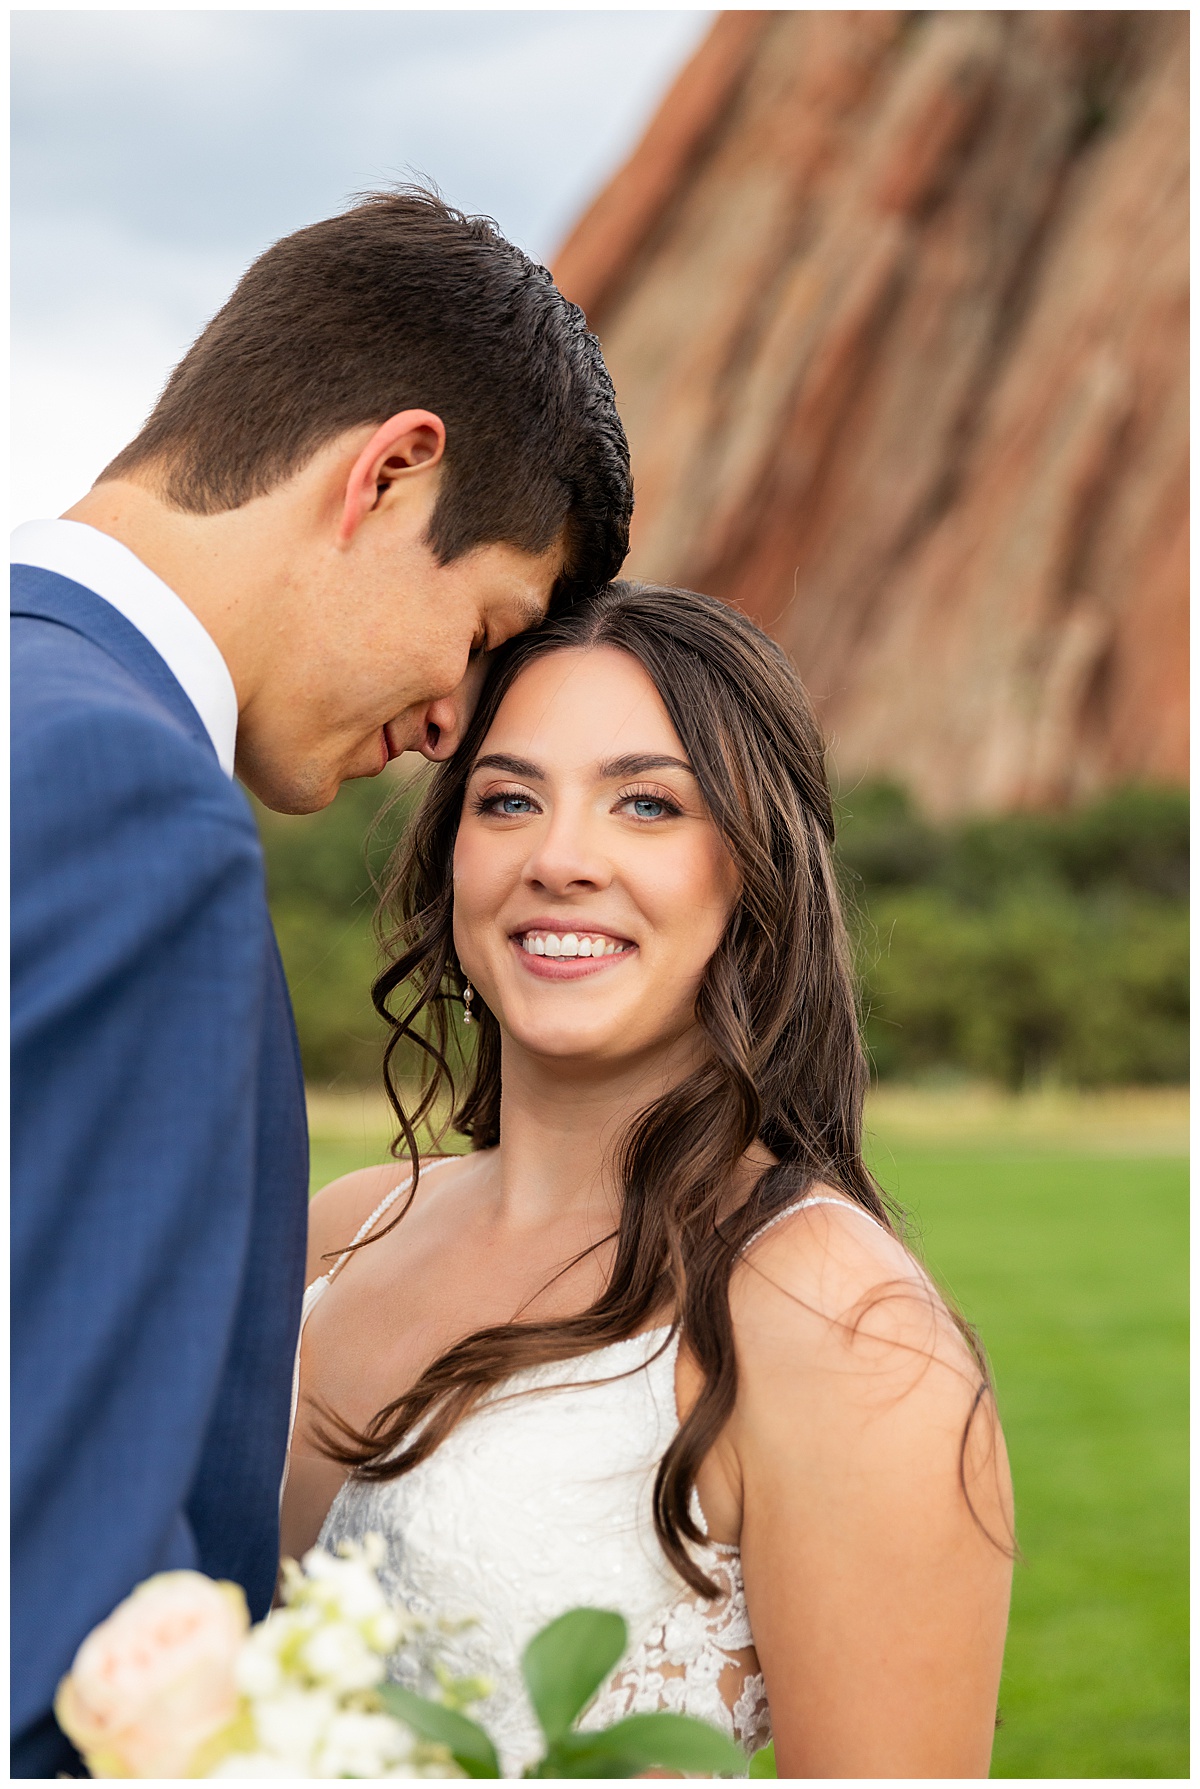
x,y
896,306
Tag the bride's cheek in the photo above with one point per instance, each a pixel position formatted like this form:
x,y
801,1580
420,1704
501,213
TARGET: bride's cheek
x,y
469,873
481,884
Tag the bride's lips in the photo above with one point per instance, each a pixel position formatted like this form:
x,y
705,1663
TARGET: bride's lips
x,y
569,968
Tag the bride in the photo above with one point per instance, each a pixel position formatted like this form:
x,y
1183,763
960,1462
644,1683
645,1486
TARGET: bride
x,y
656,1344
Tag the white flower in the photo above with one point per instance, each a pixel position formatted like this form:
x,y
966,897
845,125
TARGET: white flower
x,y
260,1670
345,1586
363,1745
175,1684
385,1631
254,1764
292,1725
336,1654
156,1680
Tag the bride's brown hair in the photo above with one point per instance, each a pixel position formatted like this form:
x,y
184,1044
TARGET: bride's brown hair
x,y
784,1066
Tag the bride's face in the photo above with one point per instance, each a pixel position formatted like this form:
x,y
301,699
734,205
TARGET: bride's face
x,y
590,885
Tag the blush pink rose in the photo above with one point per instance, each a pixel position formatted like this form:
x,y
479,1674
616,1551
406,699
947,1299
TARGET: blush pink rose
x,y
156,1680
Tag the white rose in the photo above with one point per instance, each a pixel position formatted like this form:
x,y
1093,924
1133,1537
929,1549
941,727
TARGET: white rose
x,y
156,1680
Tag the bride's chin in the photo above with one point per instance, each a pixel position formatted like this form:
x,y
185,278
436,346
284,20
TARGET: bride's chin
x,y
570,1046
569,1049
573,1053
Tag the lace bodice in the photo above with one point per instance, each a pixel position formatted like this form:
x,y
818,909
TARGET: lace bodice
x,y
541,1501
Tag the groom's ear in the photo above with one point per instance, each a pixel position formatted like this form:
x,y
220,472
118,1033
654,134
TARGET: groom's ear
x,y
409,444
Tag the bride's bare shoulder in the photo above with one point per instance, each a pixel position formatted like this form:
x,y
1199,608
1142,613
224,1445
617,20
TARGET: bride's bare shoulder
x,y
340,1209
830,1277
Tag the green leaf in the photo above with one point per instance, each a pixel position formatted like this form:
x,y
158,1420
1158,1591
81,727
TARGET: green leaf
x,y
763,1763
559,1763
567,1662
641,1742
467,1742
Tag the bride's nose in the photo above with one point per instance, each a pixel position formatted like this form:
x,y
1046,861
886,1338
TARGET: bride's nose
x,y
565,859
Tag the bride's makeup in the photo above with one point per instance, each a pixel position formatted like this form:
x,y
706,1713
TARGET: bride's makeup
x,y
591,885
548,949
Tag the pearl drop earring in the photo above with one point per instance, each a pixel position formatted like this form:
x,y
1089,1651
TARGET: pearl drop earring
x,y
468,996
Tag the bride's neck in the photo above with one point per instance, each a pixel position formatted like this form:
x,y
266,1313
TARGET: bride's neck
x,y
562,1124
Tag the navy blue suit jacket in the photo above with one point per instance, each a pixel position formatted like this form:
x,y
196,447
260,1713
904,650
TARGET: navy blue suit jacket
x,y
159,1150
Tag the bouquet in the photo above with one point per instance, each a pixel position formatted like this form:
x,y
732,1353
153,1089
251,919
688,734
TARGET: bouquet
x,y
177,1683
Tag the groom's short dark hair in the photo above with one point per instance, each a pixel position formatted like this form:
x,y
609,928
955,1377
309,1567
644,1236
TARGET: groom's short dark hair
x,y
401,303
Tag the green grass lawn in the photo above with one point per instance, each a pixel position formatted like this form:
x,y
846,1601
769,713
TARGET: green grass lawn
x,y
1062,1231
1075,1272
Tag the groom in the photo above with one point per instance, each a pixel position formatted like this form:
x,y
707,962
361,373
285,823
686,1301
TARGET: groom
x,y
391,450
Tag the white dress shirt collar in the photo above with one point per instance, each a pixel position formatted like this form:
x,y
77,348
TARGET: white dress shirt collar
x,y
109,569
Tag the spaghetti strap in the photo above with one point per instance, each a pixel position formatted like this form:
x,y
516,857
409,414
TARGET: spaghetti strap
x,y
365,1229
801,1205
316,1288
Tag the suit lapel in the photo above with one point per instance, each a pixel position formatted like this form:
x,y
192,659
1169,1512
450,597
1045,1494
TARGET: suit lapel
x,y
47,596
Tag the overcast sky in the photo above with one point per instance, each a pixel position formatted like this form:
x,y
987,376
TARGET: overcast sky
x,y
155,154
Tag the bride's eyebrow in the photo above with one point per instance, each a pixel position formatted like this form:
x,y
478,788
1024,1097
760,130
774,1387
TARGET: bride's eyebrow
x,y
633,764
522,767
638,763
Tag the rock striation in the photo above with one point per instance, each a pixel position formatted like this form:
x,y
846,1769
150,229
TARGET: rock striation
x,y
896,305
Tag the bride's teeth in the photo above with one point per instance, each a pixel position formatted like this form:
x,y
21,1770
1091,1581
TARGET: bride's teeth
x,y
571,944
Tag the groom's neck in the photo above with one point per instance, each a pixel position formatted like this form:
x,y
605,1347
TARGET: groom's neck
x,y
226,568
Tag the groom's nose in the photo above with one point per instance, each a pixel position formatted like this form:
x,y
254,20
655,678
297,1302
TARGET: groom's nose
x,y
447,719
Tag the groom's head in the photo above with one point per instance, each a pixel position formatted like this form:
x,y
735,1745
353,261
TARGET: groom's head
x,y
394,446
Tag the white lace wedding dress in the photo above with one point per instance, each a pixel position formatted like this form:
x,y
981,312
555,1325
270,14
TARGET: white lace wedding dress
x,y
539,1502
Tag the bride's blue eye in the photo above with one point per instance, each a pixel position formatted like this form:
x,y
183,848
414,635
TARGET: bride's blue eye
x,y
511,804
645,806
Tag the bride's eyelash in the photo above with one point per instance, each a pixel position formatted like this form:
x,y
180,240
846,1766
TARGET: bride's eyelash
x,y
645,792
490,804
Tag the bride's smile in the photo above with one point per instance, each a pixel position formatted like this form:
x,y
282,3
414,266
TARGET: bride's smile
x,y
591,886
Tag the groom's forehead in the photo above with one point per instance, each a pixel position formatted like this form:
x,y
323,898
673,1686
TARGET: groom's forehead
x,y
521,582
